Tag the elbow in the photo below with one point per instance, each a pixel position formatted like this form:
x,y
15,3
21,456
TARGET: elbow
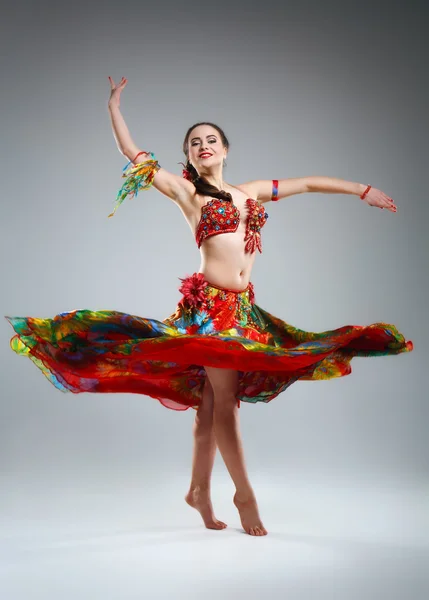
x,y
307,185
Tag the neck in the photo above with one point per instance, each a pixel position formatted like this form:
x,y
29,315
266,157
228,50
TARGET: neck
x,y
214,178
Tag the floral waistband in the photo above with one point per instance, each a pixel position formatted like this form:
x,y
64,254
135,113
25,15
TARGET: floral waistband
x,y
196,290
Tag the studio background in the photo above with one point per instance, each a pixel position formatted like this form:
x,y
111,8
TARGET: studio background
x,y
307,88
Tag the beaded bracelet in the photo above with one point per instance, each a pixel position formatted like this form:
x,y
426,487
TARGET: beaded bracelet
x,y
365,192
275,194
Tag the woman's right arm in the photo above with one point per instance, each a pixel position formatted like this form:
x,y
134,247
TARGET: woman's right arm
x,y
174,187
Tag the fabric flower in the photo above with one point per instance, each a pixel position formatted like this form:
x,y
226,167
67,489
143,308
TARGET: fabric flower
x,y
193,288
185,173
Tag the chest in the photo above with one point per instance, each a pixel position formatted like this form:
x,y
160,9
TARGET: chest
x,y
222,216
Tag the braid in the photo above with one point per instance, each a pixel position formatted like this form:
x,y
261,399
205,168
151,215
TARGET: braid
x,y
205,188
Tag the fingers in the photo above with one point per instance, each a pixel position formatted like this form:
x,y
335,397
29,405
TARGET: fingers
x,y
122,83
389,203
386,201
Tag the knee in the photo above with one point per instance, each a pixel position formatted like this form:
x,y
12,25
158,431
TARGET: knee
x,y
203,422
225,401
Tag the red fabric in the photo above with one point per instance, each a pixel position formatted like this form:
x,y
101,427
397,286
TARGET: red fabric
x,y
110,351
222,216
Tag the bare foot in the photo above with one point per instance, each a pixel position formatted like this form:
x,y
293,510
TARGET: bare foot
x,y
249,515
201,501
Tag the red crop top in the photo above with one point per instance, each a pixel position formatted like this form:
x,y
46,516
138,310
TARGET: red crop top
x,y
222,216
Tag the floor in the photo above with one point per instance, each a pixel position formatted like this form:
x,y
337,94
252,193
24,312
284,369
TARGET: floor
x,y
117,540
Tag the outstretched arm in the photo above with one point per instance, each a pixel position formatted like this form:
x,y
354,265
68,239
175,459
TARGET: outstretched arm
x,y
262,189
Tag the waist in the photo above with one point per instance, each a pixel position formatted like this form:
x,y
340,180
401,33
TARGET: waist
x,y
215,286
197,287
227,270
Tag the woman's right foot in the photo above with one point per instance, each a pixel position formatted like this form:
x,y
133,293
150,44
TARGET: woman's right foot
x,y
249,515
200,500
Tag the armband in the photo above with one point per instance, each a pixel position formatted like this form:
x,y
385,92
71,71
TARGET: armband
x,y
275,194
138,177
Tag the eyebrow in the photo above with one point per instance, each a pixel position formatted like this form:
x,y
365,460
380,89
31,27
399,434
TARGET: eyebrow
x,y
207,136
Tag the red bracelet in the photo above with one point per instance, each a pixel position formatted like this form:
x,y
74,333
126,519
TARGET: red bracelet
x,y
365,192
275,194
142,152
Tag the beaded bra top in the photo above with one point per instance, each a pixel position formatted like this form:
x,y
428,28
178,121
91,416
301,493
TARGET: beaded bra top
x,y
222,216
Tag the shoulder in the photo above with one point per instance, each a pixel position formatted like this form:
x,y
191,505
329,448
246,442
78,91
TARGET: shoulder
x,y
248,188
258,189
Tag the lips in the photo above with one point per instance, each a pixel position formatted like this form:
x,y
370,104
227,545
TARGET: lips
x,y
205,155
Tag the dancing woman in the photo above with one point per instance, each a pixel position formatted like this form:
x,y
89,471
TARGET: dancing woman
x,y
219,347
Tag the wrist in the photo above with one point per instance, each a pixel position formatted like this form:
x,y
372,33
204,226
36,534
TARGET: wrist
x,y
361,187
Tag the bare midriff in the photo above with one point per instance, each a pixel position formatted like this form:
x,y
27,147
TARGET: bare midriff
x,y
224,262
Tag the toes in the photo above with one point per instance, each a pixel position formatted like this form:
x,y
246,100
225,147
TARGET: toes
x,y
258,531
216,525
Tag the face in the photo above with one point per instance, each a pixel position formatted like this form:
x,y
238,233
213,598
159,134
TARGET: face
x,y
205,147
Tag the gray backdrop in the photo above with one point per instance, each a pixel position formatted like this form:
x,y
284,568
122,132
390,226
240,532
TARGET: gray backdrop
x,y
307,88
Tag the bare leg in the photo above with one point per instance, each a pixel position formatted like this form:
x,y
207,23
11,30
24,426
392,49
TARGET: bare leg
x,y
202,462
226,426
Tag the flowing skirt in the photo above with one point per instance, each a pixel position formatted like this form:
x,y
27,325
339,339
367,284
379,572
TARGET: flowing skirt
x,y
112,351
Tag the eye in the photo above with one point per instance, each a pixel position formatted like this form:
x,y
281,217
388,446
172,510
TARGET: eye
x,y
210,142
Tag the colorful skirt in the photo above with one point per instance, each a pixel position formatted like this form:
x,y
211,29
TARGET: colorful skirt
x,y
111,351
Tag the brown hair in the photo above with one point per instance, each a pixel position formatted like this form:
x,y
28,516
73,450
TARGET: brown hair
x,y
202,186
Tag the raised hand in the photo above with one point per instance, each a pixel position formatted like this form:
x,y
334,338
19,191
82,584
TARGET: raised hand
x,y
115,90
379,199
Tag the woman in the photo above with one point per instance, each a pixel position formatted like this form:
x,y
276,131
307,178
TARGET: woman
x,y
218,347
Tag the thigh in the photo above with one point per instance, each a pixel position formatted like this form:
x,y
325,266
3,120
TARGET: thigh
x,y
224,383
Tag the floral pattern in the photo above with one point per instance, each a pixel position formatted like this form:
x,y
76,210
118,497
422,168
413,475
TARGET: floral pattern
x,y
108,351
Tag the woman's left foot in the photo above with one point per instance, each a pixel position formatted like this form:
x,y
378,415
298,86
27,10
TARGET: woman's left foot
x,y
249,514
200,500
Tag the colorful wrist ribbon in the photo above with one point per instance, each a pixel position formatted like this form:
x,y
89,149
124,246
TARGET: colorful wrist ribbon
x,y
138,177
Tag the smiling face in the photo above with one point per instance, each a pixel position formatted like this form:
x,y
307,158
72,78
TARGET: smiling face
x,y
205,148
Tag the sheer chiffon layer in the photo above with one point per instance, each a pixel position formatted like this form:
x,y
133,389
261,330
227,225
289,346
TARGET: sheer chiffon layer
x,y
107,351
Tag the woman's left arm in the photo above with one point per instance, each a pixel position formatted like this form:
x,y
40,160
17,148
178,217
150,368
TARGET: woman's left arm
x,y
264,190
